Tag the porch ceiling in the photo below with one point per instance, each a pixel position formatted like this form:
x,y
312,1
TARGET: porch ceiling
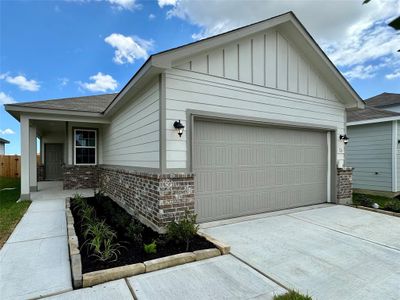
x,y
44,127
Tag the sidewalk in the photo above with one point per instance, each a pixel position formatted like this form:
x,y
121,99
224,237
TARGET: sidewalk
x,y
34,262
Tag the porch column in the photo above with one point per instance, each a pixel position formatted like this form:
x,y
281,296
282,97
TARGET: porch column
x,y
32,159
24,127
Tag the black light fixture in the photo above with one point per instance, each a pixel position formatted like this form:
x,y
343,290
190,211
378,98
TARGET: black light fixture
x,y
179,127
344,138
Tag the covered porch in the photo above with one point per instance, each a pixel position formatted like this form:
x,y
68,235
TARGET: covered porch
x,y
62,144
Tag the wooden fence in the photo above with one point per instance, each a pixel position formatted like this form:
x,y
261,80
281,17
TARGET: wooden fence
x,y
10,165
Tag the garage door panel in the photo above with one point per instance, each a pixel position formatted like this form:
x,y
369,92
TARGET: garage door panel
x,y
244,169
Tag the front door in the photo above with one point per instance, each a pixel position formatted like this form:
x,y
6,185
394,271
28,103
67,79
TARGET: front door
x,y
54,161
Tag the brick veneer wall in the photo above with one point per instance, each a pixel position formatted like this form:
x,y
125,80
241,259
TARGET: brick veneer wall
x,y
80,177
41,176
154,198
344,186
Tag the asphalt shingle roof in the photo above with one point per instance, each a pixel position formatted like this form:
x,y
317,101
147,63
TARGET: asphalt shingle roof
x,y
95,104
4,141
369,113
384,99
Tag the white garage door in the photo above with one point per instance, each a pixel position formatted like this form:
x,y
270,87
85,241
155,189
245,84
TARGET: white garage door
x,y
246,169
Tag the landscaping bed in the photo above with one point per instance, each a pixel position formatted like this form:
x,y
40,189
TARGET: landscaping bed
x,y
107,243
385,205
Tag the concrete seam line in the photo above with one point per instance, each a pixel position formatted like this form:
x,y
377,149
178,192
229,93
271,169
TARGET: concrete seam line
x,y
261,272
130,289
52,294
38,239
345,233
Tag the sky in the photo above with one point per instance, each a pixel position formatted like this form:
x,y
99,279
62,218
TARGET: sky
x,y
69,48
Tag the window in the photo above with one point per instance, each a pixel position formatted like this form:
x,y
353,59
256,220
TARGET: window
x,y
85,146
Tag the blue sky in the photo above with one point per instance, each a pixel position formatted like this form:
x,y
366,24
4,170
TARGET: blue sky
x,y
54,49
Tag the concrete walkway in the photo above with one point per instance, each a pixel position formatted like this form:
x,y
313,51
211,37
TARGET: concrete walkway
x,y
333,252
34,262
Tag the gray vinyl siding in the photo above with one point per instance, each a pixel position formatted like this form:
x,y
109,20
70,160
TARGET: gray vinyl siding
x,y
188,90
370,151
398,155
133,137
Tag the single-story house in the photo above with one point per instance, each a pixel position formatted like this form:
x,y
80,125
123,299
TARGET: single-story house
x,y
374,149
386,101
3,143
244,122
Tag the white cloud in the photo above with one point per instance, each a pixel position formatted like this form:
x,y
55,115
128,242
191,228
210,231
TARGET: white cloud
x,y
394,75
361,72
152,16
21,81
7,131
63,81
100,83
124,4
5,99
352,34
127,48
163,3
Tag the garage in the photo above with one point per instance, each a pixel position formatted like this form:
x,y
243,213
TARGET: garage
x,y
243,169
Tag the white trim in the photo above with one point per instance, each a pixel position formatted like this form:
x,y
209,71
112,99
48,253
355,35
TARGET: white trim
x,y
95,147
328,184
372,121
394,156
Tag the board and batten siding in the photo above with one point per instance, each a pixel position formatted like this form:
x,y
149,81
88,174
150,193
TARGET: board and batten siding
x,y
187,90
369,152
132,139
265,59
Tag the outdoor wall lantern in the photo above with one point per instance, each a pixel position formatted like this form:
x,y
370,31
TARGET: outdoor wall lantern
x,y
344,138
179,127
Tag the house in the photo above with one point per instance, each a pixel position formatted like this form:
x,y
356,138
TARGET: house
x,y
240,123
374,148
3,143
386,101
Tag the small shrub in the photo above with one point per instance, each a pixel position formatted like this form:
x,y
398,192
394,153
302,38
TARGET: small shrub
x,y
78,202
87,213
99,230
292,295
150,248
184,230
105,250
134,231
392,205
362,200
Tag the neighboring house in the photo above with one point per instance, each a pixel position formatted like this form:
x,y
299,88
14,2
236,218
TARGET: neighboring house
x,y
262,108
373,149
386,101
3,143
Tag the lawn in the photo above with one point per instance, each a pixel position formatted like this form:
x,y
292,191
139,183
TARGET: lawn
x,y
385,203
10,211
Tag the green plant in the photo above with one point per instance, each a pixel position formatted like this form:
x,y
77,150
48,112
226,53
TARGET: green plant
x,y
362,200
134,231
184,230
99,230
292,295
105,249
87,214
392,205
78,202
150,248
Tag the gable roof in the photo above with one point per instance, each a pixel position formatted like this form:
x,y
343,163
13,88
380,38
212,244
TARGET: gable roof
x,y
370,115
161,61
95,104
384,99
4,141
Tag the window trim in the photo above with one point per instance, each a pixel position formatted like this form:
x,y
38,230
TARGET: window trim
x,y
91,147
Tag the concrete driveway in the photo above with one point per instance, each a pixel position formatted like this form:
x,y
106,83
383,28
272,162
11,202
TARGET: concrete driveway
x,y
329,252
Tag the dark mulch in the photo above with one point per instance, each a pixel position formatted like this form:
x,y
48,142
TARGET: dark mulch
x,y
131,252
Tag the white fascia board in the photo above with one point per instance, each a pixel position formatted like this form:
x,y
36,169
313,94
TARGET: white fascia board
x,y
26,109
66,118
373,121
394,156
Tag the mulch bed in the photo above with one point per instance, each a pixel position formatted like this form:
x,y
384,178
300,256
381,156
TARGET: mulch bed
x,y
131,252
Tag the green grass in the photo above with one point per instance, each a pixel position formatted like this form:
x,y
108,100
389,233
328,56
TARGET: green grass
x,y
292,295
381,200
10,211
